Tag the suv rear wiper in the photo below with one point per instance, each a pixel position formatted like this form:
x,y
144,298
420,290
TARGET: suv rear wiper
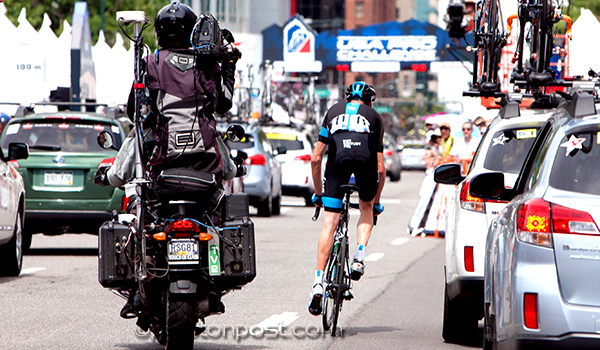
x,y
46,148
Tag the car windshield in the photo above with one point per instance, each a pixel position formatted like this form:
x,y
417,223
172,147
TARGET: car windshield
x,y
245,143
576,165
60,135
289,141
508,149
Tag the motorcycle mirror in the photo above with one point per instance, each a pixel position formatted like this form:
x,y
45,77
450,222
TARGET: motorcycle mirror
x,y
235,133
105,140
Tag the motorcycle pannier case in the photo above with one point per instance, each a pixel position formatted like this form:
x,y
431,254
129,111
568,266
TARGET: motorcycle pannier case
x,y
238,257
115,256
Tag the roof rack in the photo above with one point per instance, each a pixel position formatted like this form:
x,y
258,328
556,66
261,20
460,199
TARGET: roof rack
x,y
112,111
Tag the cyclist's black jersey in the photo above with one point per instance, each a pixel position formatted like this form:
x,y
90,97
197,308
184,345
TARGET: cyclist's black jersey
x,y
354,133
352,117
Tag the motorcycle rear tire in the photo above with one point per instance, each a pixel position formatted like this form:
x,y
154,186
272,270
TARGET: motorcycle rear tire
x,y
181,322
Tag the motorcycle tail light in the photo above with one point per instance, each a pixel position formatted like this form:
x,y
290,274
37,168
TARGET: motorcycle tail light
x,y
533,222
469,202
567,220
469,263
203,236
530,312
257,159
183,226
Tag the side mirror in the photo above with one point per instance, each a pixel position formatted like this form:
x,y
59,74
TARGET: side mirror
x,y
490,186
235,133
400,148
17,150
235,153
105,140
448,174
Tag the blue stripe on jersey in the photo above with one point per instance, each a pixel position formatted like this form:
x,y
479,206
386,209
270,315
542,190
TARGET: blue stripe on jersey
x,y
324,132
331,202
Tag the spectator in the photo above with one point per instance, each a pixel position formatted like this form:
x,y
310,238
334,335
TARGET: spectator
x,y
464,147
432,149
4,118
480,124
447,139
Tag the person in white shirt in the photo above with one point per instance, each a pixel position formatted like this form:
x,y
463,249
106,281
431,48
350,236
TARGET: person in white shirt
x,y
465,147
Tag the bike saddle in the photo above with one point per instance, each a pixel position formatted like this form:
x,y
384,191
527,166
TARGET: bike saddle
x,y
349,188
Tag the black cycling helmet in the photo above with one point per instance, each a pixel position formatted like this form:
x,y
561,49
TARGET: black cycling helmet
x,y
362,90
174,24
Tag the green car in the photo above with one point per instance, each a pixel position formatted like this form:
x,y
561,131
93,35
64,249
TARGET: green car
x,y
58,176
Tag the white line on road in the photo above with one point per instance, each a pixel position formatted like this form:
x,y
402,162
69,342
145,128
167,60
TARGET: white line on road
x,y
374,256
32,270
284,210
277,320
400,240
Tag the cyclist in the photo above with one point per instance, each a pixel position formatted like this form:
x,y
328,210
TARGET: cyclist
x,y
353,131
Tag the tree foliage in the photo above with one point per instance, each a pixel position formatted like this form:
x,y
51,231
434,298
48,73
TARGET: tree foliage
x,y
61,10
574,8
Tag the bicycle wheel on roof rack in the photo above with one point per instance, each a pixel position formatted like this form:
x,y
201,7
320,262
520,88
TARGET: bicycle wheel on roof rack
x,y
489,43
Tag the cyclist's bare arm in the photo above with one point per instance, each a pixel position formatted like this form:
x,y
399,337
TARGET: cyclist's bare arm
x,y
316,163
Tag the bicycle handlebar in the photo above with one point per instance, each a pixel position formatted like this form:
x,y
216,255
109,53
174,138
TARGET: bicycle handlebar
x,y
352,205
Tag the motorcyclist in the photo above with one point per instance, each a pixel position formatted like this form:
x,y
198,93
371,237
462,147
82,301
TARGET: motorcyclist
x,y
180,82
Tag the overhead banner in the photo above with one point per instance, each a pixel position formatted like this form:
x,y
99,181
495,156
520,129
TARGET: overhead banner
x,y
299,47
383,47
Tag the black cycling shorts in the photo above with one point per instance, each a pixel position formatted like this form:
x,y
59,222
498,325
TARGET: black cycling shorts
x,y
350,153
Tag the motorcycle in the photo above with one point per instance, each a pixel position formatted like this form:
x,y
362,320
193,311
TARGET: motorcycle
x,y
175,258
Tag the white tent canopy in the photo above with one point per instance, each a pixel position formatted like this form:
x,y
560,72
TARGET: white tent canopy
x,y
584,49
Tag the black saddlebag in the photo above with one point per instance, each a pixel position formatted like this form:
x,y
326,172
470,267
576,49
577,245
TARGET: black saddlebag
x,y
115,256
238,253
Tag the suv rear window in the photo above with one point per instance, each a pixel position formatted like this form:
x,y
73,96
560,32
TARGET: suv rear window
x,y
60,135
509,148
289,141
577,170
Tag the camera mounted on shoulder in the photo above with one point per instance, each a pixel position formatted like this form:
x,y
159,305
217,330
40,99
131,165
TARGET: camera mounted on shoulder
x,y
209,39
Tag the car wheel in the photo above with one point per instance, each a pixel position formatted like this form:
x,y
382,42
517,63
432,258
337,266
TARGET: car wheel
x,y
265,207
395,177
11,254
276,210
308,200
459,326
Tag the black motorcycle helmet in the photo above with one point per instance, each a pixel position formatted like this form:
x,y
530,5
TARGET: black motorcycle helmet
x,y
173,25
362,91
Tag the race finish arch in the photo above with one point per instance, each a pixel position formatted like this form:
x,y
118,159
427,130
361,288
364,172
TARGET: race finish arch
x,y
383,47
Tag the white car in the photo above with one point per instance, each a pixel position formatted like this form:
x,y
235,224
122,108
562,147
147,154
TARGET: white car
x,y
296,171
503,148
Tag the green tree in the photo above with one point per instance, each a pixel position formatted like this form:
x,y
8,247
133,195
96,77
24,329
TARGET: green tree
x,y
574,8
61,10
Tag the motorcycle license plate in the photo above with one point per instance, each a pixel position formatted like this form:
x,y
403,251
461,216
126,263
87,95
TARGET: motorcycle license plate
x,y
183,250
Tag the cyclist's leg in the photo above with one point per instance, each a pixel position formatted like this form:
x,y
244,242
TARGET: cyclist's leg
x,y
367,181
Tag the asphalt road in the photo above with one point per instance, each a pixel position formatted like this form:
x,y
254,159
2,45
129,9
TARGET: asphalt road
x,y
57,302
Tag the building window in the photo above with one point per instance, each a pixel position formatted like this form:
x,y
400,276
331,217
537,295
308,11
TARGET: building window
x,y
220,10
360,8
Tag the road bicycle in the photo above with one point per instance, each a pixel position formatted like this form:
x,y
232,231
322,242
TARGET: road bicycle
x,y
337,281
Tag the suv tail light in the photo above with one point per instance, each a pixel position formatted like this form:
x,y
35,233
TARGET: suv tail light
x,y
469,202
389,153
257,159
14,164
469,261
537,219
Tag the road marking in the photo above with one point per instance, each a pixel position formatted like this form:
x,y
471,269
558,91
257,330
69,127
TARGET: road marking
x,y
284,210
277,320
400,240
374,256
32,270
390,201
